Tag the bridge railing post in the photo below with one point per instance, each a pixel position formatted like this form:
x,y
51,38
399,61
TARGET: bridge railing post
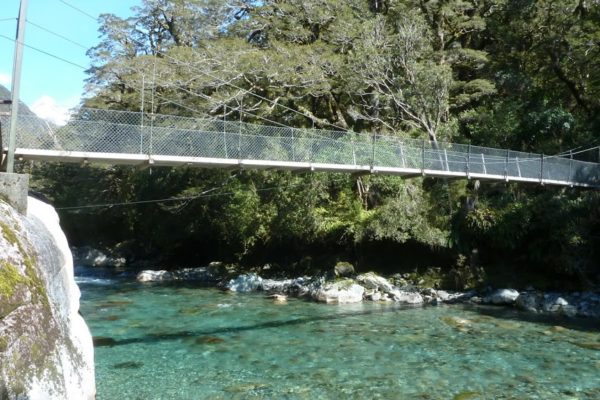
x,y
506,166
468,171
570,165
542,168
293,147
372,151
224,130
353,150
423,157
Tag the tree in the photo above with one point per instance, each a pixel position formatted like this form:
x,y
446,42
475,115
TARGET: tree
x,y
398,78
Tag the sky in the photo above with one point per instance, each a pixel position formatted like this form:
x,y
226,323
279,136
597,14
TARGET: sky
x,y
50,86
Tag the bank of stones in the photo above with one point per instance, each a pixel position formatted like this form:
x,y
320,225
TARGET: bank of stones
x,y
372,287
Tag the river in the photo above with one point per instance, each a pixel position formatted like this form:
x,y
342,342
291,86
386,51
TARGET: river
x,y
186,342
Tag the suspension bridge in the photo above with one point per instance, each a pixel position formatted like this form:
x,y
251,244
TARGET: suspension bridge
x,y
135,138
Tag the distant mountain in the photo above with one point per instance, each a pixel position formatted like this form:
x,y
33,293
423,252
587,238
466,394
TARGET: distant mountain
x,y
41,134
5,95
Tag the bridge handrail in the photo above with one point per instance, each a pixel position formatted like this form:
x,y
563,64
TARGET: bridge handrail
x,y
128,132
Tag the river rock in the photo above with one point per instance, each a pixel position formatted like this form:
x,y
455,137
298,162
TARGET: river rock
x,y
442,295
401,296
296,286
345,291
502,296
370,280
200,274
343,269
46,349
373,295
530,301
245,283
155,276
90,257
556,304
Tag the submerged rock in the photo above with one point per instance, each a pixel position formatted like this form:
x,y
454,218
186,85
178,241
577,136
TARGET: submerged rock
x,y
129,365
459,323
209,340
468,395
345,291
46,349
588,345
278,298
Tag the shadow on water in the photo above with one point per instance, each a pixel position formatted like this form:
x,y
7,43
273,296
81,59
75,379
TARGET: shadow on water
x,y
235,329
501,312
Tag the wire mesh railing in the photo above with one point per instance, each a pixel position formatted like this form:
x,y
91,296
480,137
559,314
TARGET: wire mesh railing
x,y
134,133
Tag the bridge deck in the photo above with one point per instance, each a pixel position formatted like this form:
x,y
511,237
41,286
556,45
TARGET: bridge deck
x,y
113,137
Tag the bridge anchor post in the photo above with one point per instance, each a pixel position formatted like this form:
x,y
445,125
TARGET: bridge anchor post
x,y
14,189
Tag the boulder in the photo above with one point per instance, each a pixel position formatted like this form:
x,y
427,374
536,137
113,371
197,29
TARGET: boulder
x,y
442,295
277,285
155,276
199,274
555,303
370,280
530,301
345,291
343,269
245,283
90,257
502,296
401,296
46,349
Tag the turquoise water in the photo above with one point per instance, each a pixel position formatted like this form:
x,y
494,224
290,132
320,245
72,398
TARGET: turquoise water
x,y
177,342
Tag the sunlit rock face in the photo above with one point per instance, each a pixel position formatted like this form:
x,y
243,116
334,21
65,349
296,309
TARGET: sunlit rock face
x,y
46,349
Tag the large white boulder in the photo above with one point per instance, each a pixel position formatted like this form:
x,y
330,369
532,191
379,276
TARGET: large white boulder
x,y
401,296
502,296
46,349
154,276
345,291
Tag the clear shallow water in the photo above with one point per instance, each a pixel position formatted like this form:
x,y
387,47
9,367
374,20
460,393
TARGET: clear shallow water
x,y
175,342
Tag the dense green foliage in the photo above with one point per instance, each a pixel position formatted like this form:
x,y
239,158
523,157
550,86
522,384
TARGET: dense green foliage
x,y
520,74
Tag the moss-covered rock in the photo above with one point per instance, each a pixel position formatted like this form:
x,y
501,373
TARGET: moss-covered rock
x,y
343,269
43,348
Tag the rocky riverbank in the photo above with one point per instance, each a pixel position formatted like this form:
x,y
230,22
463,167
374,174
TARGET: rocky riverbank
x,y
343,286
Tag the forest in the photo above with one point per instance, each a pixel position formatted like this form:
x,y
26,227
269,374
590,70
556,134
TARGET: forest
x,y
515,74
